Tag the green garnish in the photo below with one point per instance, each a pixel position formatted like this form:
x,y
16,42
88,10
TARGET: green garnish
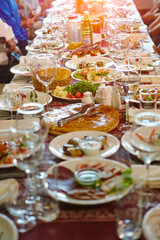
x,y
149,65
78,76
35,97
83,86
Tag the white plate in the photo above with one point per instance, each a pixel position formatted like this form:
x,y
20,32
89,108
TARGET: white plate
x,y
145,61
112,72
56,145
126,143
73,100
20,69
74,62
41,99
146,86
72,165
8,228
151,223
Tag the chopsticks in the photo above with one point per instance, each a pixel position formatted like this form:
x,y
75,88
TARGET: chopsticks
x,y
12,175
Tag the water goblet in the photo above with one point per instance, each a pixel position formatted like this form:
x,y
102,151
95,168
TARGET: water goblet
x,y
55,45
118,49
45,70
11,98
145,141
126,85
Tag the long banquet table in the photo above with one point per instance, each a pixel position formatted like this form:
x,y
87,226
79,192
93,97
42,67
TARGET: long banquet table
x,y
79,222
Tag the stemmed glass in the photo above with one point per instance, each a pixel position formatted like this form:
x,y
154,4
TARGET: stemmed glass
x,y
11,97
118,49
46,209
45,70
126,84
25,149
110,27
146,143
55,45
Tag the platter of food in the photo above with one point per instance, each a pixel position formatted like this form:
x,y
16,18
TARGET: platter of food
x,y
98,190
88,62
68,146
105,120
146,87
5,158
96,75
75,91
143,64
151,223
86,50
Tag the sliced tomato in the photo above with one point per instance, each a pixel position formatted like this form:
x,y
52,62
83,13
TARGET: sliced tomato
x,y
70,95
78,95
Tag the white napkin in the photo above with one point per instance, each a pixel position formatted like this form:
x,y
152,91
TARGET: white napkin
x,y
9,189
138,36
140,174
150,79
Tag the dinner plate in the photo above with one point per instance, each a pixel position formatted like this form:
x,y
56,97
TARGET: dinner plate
x,y
111,73
8,229
72,165
151,223
20,69
126,143
41,98
146,63
56,145
73,64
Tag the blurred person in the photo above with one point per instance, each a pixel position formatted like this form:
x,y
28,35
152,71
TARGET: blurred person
x,y
9,12
7,45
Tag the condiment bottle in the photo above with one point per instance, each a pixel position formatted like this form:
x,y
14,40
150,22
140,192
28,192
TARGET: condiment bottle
x,y
87,98
86,30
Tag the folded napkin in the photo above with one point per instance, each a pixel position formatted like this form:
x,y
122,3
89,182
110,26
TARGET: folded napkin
x,y
150,79
138,36
140,174
9,189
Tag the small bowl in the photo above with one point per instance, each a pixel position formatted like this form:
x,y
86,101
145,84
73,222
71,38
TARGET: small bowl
x,y
90,146
87,177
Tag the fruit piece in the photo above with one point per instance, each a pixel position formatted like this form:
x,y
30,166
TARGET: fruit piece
x,y
70,95
78,95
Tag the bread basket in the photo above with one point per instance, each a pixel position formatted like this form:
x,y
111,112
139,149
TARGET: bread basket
x,y
63,78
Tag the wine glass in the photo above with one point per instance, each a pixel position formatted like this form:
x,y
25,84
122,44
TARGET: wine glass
x,y
46,209
146,144
45,70
11,98
25,148
126,84
118,49
110,27
55,45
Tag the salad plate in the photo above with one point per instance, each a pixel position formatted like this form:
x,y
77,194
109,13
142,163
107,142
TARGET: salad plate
x,y
8,229
20,69
135,98
56,145
89,61
151,223
95,75
68,169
